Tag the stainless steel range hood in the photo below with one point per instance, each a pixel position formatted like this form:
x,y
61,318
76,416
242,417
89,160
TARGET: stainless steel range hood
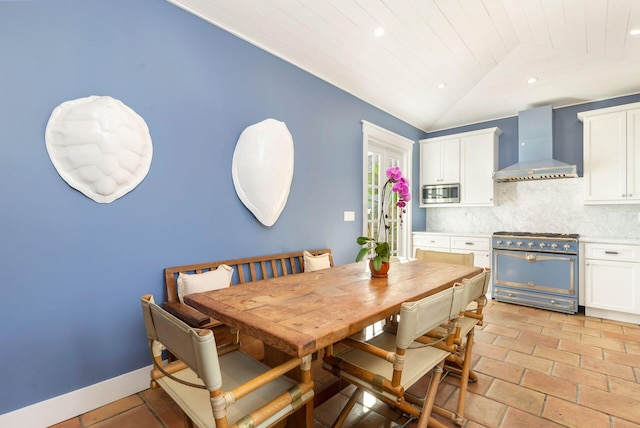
x,y
535,150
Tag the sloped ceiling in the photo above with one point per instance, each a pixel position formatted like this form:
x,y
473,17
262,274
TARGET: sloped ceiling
x,y
482,51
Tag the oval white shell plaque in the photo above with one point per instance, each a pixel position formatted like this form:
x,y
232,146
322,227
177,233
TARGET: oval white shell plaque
x,y
99,146
262,169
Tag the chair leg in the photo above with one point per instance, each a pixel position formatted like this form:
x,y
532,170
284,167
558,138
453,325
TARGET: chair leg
x,y
431,396
347,408
464,379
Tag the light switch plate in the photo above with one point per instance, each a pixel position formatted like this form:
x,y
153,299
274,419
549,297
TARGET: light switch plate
x,y
349,216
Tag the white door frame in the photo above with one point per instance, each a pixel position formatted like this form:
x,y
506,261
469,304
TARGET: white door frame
x,y
382,137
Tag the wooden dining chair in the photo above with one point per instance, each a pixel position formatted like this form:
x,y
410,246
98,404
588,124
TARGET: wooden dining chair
x,y
459,363
220,390
444,257
388,364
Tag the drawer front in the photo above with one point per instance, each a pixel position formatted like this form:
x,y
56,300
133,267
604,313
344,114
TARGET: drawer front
x,y
537,300
615,252
431,241
470,243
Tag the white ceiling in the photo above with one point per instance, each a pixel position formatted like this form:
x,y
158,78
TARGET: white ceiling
x,y
482,50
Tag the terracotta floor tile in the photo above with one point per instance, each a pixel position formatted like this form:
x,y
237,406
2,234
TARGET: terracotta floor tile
x,y
514,344
581,329
581,376
137,417
621,423
518,419
566,318
490,350
530,362
578,348
172,417
622,358
557,355
525,326
607,367
633,336
572,415
561,334
550,385
501,330
632,348
544,322
499,370
109,410
157,399
539,339
484,337
483,410
516,396
625,387
613,404
605,343
598,324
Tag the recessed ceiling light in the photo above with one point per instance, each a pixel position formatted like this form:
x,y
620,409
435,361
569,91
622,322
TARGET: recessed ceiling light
x,y
379,32
635,32
532,80
441,85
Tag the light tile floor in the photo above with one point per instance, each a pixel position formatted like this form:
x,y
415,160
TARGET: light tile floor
x,y
536,368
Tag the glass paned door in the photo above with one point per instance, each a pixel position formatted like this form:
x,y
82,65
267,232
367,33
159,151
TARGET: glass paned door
x,y
379,160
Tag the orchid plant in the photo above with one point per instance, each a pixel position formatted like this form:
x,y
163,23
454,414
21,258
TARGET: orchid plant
x,y
380,244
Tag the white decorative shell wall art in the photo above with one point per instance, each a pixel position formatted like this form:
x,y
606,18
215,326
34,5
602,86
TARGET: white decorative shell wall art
x,y
262,169
99,146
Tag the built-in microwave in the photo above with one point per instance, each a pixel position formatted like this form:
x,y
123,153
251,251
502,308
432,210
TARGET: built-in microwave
x,y
441,193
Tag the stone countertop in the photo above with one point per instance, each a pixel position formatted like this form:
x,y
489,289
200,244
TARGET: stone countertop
x,y
471,235
605,240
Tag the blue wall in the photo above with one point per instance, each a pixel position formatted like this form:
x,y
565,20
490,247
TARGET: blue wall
x,y
74,270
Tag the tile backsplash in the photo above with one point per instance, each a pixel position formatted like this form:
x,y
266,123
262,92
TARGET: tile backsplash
x,y
552,206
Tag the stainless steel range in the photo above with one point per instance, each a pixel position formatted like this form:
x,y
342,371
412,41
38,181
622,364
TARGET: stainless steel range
x,y
536,269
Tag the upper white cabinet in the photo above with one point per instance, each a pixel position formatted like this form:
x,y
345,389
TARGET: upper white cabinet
x,y
440,161
612,154
468,158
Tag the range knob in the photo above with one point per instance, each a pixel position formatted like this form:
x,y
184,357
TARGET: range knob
x,y
542,245
509,243
499,242
566,246
519,244
554,246
530,244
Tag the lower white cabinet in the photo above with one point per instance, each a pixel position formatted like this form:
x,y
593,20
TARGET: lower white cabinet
x,y
612,281
480,246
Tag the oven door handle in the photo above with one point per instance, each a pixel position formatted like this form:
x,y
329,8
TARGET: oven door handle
x,y
531,258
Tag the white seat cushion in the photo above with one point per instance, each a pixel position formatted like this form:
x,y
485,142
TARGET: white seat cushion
x,y
237,368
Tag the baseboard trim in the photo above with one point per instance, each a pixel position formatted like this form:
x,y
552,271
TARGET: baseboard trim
x,y
74,403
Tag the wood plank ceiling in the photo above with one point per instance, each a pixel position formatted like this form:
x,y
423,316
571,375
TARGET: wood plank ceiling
x,y
481,51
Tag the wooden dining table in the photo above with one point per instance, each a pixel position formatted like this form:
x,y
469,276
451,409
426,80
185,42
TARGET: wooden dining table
x,y
306,312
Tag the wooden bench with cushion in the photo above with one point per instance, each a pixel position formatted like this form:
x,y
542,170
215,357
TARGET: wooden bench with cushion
x,y
244,270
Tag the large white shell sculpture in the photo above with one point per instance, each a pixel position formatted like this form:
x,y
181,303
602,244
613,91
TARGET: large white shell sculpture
x,y
263,169
99,146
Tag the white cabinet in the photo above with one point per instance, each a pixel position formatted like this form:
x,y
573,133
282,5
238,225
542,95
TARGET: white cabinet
x,y
480,246
478,161
468,158
612,154
440,161
612,281
432,242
